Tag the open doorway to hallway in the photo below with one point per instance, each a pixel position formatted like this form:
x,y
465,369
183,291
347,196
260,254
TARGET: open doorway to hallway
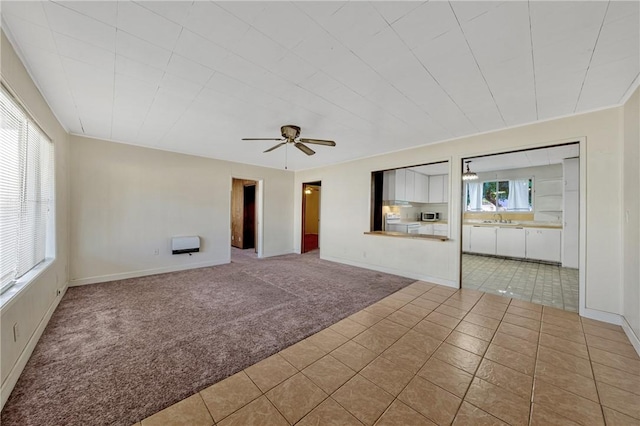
x,y
244,229
311,216
520,225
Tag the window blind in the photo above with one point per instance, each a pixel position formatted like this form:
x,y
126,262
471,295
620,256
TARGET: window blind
x,y
26,191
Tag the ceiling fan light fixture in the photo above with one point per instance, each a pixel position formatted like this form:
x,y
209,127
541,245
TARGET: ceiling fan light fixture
x,y
468,174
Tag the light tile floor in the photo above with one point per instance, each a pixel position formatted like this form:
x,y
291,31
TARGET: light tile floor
x,y
549,285
432,355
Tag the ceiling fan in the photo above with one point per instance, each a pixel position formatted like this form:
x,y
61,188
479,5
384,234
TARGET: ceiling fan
x,y
290,134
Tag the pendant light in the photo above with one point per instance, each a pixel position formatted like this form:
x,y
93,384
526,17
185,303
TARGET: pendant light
x,y
469,175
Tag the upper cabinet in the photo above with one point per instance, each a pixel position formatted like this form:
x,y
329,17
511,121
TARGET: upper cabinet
x,y
394,185
439,189
407,185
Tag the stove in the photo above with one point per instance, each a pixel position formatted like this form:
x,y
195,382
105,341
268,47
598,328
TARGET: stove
x,y
393,223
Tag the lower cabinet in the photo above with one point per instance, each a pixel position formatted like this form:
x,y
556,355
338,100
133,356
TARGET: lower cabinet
x,y
511,242
426,229
544,244
524,243
441,229
483,240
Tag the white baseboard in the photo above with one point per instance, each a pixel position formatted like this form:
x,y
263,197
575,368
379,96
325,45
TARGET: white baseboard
x,y
633,338
15,372
402,273
143,273
597,315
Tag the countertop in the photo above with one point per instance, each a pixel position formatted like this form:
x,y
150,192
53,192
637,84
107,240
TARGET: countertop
x,y
527,224
411,236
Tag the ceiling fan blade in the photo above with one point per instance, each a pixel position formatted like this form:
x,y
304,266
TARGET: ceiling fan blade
x,y
261,139
276,146
304,148
318,142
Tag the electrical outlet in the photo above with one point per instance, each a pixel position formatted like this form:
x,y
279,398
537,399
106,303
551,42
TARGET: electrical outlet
x,y
16,332
156,252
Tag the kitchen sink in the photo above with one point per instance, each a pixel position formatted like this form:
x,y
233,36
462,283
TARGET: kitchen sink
x,y
500,223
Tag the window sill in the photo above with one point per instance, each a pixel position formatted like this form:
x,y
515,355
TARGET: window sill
x,y
7,298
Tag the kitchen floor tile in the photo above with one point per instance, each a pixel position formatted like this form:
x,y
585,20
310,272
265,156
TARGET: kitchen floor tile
x,y
541,416
563,345
415,310
616,418
474,330
373,340
617,378
406,356
365,318
425,303
498,402
432,329
422,342
327,339
515,344
387,374
567,361
511,359
470,415
567,404
605,333
619,362
446,376
506,378
230,394
363,399
400,414
328,373
329,413
353,355
482,321
389,329
430,400
258,412
190,411
295,397
348,328
567,380
620,400
620,348
270,372
302,354
468,343
393,302
529,323
404,318
458,357
379,309
519,332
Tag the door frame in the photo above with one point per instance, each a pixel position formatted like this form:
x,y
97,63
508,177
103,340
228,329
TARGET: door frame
x,y
259,213
582,227
304,209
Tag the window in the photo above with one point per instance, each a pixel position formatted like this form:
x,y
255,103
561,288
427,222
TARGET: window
x,y
26,193
501,195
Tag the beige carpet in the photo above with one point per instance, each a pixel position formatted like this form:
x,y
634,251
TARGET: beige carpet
x,y
114,353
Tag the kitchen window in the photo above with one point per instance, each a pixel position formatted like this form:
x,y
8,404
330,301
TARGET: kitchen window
x,y
500,195
26,193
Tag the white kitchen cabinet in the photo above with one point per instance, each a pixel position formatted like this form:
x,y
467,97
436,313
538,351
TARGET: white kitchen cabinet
x,y
543,244
394,185
511,242
441,229
439,189
466,238
409,185
421,188
483,240
426,229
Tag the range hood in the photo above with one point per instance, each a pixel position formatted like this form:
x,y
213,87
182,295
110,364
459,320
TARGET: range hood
x,y
396,203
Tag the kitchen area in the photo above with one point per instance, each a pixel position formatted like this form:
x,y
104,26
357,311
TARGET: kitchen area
x,y
520,225
415,201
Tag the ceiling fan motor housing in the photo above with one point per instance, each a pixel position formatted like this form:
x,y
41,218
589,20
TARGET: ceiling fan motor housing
x,y
290,132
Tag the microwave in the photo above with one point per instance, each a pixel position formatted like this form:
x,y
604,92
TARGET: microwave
x,y
429,216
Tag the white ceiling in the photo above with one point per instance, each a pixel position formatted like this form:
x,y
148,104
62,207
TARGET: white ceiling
x,y
522,159
195,77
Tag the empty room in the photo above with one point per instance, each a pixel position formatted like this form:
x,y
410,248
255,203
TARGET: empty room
x,y
320,213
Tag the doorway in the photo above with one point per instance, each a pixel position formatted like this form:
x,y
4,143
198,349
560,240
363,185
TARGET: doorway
x,y
520,223
244,226
311,216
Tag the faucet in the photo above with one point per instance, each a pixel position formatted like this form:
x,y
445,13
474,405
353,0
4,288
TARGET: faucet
x,y
500,216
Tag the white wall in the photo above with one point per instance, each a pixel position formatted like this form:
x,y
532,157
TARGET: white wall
x,y
346,203
128,201
631,214
33,306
